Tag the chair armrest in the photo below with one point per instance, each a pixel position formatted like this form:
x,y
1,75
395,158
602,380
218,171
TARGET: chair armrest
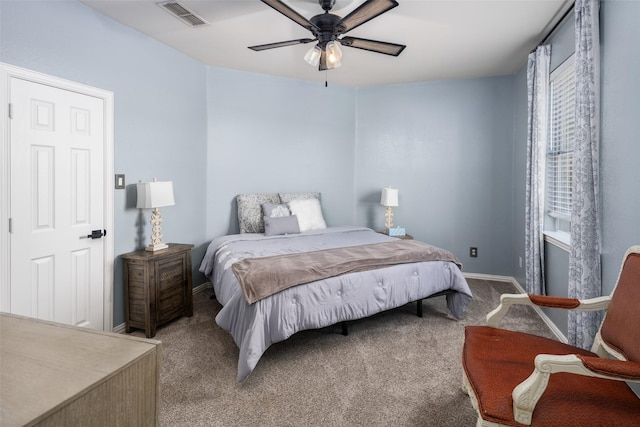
x,y
527,393
611,368
507,300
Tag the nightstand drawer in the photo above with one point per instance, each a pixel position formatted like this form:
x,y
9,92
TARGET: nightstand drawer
x,y
171,304
171,272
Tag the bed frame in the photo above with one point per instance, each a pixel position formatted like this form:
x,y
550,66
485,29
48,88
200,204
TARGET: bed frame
x,y
345,328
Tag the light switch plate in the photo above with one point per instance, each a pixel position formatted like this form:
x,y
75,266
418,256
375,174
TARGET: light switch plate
x,y
119,181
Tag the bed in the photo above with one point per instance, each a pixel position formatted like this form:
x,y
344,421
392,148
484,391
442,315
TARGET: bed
x,y
257,321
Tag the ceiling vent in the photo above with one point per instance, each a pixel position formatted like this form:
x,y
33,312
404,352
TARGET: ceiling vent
x,y
181,12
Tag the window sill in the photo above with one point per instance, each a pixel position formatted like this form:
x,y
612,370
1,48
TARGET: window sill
x,y
559,239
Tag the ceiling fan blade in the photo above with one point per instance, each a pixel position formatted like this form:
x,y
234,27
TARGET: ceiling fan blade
x,y
281,44
363,13
291,14
392,49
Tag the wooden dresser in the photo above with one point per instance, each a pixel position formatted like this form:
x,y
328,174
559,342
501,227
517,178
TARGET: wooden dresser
x,y
58,375
157,287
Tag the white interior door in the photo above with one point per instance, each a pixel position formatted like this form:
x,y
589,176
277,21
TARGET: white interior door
x,y
56,201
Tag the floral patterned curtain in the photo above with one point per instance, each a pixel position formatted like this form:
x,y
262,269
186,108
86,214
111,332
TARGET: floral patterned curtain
x,y
537,96
584,260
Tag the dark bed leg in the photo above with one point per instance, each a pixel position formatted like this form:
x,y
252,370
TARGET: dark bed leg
x,y
419,306
345,331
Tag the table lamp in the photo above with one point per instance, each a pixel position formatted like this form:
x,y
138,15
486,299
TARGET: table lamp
x,y
389,199
154,195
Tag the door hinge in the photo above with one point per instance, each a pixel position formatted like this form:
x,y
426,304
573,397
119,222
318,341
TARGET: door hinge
x,y
10,225
10,111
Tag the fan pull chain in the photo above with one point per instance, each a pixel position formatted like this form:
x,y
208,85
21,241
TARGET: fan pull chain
x,y
325,78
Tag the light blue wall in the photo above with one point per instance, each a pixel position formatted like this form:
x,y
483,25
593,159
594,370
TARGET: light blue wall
x,y
556,264
448,147
619,147
620,133
519,161
270,134
160,109
215,133
455,149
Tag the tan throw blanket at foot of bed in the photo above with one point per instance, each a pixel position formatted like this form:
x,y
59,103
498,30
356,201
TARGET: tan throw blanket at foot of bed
x,y
262,277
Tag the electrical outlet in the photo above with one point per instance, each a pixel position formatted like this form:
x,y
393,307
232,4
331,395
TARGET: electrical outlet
x,y
473,252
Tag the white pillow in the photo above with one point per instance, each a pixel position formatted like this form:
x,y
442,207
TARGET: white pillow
x,y
309,214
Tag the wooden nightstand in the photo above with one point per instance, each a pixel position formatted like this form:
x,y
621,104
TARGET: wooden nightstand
x,y
405,237
157,287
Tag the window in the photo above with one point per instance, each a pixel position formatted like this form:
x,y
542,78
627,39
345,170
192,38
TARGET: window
x,y
559,155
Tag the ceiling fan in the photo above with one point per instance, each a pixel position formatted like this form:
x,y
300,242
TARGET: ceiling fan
x,y
327,27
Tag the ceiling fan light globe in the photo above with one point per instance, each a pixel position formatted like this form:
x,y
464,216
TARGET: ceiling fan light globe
x,y
333,50
313,56
334,55
333,64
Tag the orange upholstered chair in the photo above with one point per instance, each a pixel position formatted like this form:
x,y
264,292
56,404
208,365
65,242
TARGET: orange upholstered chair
x,y
516,379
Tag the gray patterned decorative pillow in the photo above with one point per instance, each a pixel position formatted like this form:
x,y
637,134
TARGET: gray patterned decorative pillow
x,y
250,217
287,197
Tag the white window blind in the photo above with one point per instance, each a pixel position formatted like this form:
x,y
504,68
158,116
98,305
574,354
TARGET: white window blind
x,y
560,147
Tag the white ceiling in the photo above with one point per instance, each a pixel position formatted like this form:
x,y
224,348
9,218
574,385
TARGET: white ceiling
x,y
446,39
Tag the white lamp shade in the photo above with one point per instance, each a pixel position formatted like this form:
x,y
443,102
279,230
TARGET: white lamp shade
x,y
389,197
155,194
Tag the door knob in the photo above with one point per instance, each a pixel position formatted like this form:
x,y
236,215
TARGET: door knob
x,y
96,234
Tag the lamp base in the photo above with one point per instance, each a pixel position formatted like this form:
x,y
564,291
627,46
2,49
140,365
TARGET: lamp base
x,y
156,233
158,247
388,217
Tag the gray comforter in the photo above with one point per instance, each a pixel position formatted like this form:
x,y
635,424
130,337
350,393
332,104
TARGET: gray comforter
x,y
254,327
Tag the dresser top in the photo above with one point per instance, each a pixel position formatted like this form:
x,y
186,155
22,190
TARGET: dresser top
x,y
174,248
45,364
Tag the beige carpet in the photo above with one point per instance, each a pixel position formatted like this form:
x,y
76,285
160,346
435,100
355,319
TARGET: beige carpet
x,y
392,369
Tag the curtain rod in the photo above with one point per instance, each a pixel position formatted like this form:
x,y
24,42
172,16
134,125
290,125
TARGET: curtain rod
x,y
560,21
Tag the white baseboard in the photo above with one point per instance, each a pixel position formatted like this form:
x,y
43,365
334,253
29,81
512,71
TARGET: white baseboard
x,y
559,335
121,328
203,287
481,276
